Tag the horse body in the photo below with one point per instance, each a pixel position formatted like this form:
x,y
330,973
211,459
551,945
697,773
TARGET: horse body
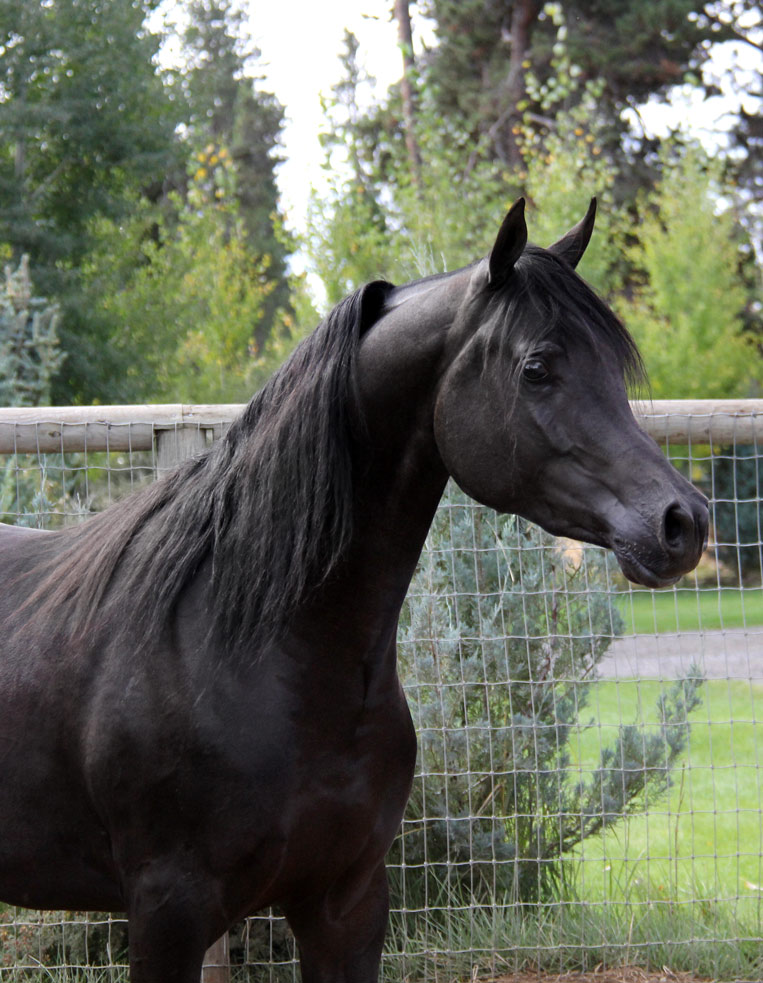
x,y
166,756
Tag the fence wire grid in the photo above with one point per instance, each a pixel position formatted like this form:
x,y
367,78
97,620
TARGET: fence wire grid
x,y
588,785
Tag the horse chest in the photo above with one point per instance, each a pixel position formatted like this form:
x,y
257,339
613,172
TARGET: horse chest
x,y
283,783
345,799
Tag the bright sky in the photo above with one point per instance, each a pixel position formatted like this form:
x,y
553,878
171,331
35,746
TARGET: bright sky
x,y
300,42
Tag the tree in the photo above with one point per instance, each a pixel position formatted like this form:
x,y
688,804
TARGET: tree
x,y
407,88
85,123
83,118
349,237
744,20
564,165
449,213
181,293
687,313
29,350
229,111
477,70
380,217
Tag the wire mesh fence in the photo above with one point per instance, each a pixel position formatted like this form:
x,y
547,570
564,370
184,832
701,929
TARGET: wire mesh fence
x,y
588,786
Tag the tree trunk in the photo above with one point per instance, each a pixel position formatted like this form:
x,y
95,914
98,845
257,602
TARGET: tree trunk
x,y
523,17
405,41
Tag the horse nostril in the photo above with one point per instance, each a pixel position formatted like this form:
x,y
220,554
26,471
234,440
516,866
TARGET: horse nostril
x,y
678,527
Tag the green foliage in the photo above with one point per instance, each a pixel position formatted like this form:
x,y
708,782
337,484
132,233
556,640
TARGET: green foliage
x,y
640,47
91,150
182,293
499,644
348,235
686,315
228,109
636,48
738,491
450,213
29,349
83,118
85,123
377,220
566,164
347,239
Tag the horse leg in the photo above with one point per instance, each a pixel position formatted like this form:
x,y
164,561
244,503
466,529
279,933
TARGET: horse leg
x,y
341,937
170,927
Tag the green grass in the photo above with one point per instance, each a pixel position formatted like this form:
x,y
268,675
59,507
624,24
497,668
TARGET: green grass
x,y
703,842
688,609
473,941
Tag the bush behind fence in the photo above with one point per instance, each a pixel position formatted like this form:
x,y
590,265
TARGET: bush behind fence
x,y
588,782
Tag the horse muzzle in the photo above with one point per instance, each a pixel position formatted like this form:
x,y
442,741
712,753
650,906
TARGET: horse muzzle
x,y
669,546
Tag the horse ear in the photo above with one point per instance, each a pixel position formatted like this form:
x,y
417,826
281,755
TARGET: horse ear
x,y
509,244
571,247
372,298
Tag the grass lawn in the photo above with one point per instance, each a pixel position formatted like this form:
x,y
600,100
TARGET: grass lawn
x,y
688,609
702,843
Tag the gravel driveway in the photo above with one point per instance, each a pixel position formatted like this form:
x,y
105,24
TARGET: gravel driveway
x,y
735,653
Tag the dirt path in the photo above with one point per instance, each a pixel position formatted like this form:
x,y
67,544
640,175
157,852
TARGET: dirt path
x,y
622,974
735,653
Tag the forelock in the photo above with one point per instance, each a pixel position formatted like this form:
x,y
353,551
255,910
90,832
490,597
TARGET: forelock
x,y
544,297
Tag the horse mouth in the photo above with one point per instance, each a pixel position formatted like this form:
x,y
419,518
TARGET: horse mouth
x,y
639,573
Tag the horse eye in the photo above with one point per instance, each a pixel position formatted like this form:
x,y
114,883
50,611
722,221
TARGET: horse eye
x,y
534,370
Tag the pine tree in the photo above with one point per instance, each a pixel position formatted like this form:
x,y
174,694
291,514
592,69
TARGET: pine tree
x,y
228,110
476,73
29,350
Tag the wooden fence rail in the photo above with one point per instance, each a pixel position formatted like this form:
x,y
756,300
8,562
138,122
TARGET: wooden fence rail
x,y
56,429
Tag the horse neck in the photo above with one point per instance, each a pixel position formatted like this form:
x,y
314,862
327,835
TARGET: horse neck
x,y
400,476
400,365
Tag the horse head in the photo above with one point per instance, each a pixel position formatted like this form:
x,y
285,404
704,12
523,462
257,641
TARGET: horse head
x,y
532,415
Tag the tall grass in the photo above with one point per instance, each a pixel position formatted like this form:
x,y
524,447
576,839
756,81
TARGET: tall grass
x,y
572,937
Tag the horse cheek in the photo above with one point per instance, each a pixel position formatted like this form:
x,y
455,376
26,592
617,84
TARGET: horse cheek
x,y
473,436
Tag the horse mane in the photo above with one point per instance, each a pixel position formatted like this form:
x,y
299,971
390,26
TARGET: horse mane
x,y
269,506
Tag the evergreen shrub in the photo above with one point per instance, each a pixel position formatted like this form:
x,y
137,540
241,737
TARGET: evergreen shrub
x,y
737,491
500,640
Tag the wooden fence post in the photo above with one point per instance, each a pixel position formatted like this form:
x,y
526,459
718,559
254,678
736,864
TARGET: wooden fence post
x,y
216,967
176,444
173,446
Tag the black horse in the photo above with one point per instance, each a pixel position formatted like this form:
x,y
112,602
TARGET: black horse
x,y
200,713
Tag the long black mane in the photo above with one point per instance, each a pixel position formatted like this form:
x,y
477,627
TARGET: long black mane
x,y
269,506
